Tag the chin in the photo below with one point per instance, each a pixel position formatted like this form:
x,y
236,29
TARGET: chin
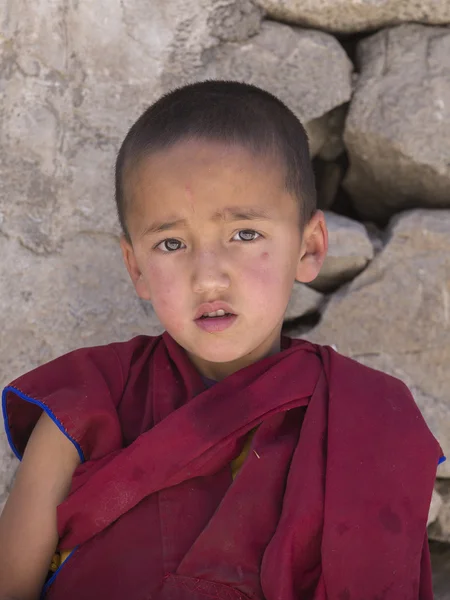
x,y
215,355
218,351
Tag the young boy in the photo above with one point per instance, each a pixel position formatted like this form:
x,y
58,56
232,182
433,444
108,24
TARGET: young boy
x,y
220,459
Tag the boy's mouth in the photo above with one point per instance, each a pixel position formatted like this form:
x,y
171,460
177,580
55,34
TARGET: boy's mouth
x,y
217,313
215,316
216,323
211,310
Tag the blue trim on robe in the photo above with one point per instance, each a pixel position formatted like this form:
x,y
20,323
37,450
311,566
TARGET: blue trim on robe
x,y
53,577
45,409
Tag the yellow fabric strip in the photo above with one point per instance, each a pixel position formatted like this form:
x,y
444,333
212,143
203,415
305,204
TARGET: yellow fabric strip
x,y
58,559
237,463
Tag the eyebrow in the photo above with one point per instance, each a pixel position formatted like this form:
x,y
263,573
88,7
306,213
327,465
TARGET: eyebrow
x,y
232,213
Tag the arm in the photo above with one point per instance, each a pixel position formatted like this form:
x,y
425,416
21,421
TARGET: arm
x,y
28,526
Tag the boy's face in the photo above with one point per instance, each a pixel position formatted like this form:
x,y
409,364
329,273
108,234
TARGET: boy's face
x,y
211,223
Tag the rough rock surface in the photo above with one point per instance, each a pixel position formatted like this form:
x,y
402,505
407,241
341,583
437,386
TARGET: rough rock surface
x,y
329,177
347,16
350,251
303,300
308,70
440,560
333,145
80,296
440,528
73,78
435,507
398,128
395,316
326,133
8,466
69,92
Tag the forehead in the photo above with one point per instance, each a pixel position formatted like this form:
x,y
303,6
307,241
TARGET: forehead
x,y
199,178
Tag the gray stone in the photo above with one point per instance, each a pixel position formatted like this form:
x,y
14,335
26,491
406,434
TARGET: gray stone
x,y
350,251
317,131
308,70
376,236
328,177
326,133
395,316
303,300
234,21
8,466
80,296
349,16
398,128
195,26
73,78
334,146
439,530
440,561
435,507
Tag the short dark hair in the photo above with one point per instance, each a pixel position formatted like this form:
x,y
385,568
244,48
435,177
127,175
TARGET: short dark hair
x,y
224,111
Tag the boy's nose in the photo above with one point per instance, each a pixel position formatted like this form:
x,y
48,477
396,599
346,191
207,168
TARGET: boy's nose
x,y
210,273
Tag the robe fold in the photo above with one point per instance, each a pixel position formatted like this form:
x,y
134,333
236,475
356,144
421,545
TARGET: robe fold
x,y
331,502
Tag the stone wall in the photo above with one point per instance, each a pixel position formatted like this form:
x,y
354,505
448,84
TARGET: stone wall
x,y
371,82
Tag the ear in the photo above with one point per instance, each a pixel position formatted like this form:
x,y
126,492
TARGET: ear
x,y
313,249
129,258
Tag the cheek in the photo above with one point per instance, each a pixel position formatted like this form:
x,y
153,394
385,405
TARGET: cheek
x,y
268,280
165,288
262,275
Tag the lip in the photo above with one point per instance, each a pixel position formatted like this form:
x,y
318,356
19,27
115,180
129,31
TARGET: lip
x,y
215,324
210,307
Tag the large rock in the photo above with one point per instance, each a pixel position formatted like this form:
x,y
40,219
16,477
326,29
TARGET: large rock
x,y
398,127
350,251
395,316
80,296
73,78
308,70
348,16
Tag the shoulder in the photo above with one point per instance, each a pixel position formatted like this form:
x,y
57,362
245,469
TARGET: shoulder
x,y
84,364
342,366
80,392
353,384
362,398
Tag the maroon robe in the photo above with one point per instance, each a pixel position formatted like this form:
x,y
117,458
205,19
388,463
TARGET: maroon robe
x,y
331,502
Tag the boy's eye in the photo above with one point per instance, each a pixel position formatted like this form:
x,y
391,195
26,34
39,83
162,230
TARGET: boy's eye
x,y
246,235
170,245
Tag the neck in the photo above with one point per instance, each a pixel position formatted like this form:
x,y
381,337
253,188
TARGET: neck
x,y
219,371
